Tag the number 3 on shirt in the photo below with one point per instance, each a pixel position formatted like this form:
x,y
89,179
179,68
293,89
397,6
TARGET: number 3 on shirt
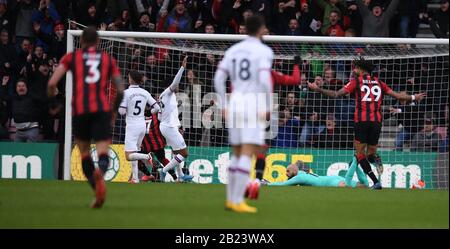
x,y
94,74
375,90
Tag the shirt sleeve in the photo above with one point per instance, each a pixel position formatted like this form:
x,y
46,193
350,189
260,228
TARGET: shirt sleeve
x,y
124,103
384,87
66,61
154,107
350,87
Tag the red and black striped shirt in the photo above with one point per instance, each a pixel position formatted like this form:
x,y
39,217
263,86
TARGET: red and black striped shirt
x,y
92,72
368,92
154,140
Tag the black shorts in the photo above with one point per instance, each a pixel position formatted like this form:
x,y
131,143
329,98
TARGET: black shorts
x,y
367,132
92,126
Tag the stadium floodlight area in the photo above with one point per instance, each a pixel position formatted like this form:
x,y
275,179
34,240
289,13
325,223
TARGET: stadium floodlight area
x,y
305,125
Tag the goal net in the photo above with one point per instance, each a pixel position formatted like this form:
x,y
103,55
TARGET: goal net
x,y
305,126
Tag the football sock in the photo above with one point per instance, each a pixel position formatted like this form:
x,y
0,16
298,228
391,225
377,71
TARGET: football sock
x,y
138,156
134,171
172,173
231,180
242,177
365,165
176,160
180,171
88,170
143,168
351,172
103,162
260,165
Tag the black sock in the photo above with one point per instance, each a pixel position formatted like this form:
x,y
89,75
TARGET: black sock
x,y
143,168
375,159
88,170
260,165
365,165
103,162
172,173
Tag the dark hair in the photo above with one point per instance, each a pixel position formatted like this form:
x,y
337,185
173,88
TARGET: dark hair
x,y
337,12
89,36
22,80
136,76
363,64
253,24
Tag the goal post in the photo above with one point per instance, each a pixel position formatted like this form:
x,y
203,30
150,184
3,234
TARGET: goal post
x,y
308,122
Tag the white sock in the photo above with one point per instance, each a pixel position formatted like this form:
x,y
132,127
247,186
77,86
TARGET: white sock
x,y
231,180
138,156
179,171
242,177
176,160
134,171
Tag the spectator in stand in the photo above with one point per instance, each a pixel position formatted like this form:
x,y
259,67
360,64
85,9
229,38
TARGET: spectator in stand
x,y
408,11
292,103
308,20
331,137
23,11
439,20
144,23
24,107
209,29
285,11
288,130
427,139
328,6
4,112
178,21
91,14
411,117
293,28
4,16
56,40
242,29
24,56
375,20
7,54
45,17
335,28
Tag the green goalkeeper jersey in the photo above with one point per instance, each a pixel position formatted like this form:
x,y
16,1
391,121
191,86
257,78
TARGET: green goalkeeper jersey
x,y
308,179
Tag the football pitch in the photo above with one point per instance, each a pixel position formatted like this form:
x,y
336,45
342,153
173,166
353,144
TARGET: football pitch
x,y
65,204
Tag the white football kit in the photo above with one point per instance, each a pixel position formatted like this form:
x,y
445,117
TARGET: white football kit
x,y
133,104
169,122
248,65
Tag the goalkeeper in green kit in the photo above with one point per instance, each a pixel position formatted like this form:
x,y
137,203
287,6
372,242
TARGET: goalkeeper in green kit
x,y
299,174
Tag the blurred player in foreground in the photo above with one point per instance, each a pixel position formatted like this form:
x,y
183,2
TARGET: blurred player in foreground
x,y
248,66
92,113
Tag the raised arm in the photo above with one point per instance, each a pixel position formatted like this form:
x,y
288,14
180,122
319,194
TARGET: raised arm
x,y
177,78
363,9
391,8
333,94
289,80
405,96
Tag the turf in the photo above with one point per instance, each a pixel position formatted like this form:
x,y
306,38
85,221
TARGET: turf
x,y
61,204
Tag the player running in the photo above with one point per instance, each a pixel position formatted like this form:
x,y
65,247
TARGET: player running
x,y
133,106
299,174
170,125
281,79
248,65
155,143
92,118
368,91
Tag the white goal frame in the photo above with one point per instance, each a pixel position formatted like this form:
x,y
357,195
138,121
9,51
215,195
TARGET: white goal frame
x,y
212,37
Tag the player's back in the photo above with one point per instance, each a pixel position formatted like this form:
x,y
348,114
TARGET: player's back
x,y
169,109
243,61
136,99
92,71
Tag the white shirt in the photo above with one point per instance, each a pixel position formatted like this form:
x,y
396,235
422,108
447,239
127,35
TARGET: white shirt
x,y
169,104
248,65
134,102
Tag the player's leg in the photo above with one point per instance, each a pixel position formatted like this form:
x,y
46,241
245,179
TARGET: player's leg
x,y
176,141
86,160
372,155
242,178
362,133
260,164
161,156
236,150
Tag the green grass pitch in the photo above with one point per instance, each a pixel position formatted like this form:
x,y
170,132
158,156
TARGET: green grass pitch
x,y
65,204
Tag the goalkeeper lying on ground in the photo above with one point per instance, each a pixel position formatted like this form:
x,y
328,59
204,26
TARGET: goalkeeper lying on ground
x,y
299,174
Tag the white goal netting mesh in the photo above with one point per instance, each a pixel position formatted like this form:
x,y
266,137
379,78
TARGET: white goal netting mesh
x,y
312,128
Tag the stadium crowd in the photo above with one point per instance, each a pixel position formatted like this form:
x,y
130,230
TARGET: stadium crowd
x,y
33,39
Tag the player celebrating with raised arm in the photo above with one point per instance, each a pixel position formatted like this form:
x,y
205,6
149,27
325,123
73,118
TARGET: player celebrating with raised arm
x,y
248,65
92,118
368,91
170,125
133,105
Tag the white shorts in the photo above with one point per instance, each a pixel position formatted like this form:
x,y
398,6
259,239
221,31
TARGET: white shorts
x,y
134,134
239,136
173,137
